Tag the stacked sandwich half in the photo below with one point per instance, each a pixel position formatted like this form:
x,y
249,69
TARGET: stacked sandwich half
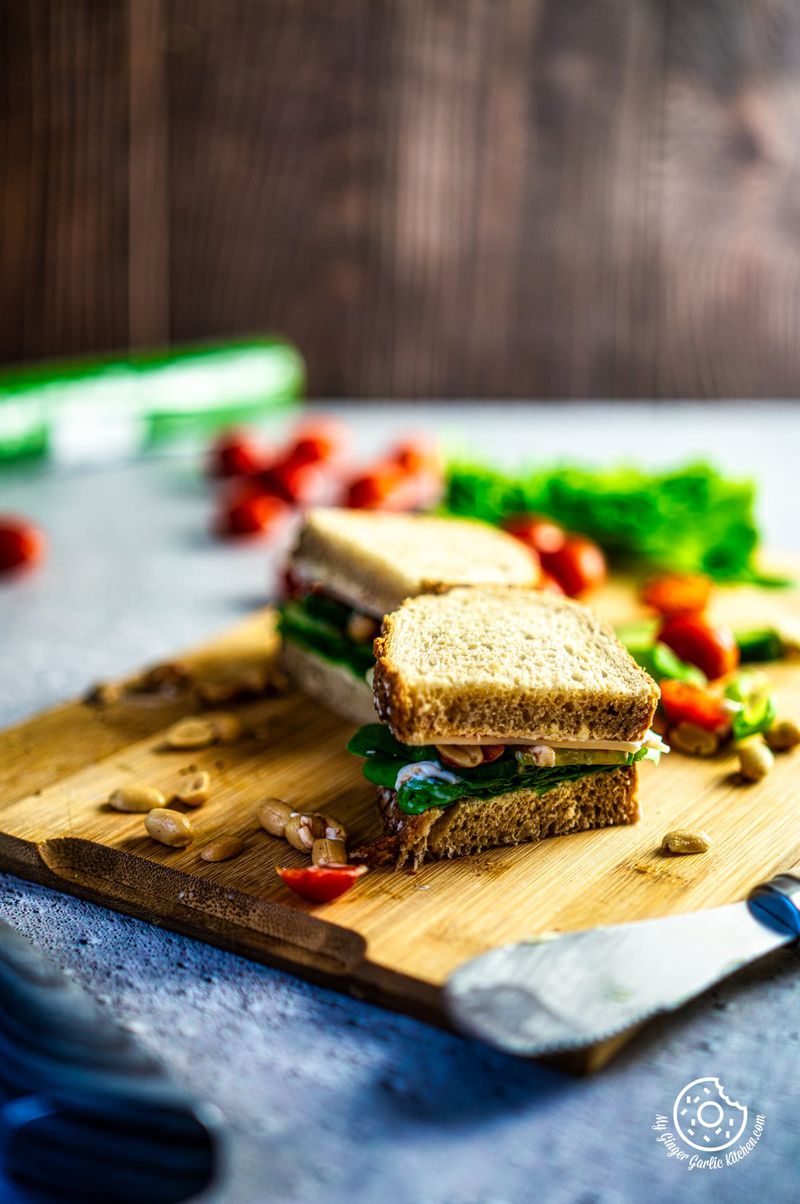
x,y
509,715
351,567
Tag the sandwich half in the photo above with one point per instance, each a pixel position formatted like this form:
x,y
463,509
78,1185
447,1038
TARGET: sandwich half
x,y
508,715
350,567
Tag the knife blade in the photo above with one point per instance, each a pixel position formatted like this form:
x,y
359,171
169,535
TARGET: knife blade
x,y
563,993
86,1115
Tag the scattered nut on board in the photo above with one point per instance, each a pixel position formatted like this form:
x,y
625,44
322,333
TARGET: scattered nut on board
x,y
217,683
755,759
273,815
783,735
136,797
334,830
227,726
693,740
328,852
222,849
191,733
683,840
195,789
172,828
302,829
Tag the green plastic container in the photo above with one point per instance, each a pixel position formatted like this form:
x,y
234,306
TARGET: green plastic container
x,y
104,408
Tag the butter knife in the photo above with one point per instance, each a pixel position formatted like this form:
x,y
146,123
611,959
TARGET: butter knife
x,y
564,993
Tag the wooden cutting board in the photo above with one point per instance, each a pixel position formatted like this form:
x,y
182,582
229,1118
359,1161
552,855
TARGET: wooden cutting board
x,y
397,935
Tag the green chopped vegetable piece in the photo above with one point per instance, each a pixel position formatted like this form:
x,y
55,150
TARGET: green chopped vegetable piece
x,y
688,520
764,644
656,658
756,716
757,708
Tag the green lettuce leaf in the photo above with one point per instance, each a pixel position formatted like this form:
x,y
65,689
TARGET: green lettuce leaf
x,y
691,519
319,623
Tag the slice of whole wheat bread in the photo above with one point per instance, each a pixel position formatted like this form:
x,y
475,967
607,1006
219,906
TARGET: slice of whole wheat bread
x,y
598,800
508,663
331,685
374,560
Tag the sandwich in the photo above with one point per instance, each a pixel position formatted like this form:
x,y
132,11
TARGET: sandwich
x,y
350,567
508,715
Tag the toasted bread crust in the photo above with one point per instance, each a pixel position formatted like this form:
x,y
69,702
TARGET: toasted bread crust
x,y
424,698
598,800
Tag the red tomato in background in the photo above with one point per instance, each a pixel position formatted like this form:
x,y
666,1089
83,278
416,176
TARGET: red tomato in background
x,y
685,703
318,440
236,454
540,533
579,565
320,883
385,486
299,483
251,513
22,543
418,454
711,647
678,593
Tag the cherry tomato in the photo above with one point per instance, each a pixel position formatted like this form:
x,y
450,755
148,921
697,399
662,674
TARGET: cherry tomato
x,y
321,883
685,703
236,454
251,513
711,647
384,487
577,566
297,482
318,440
538,532
549,584
21,543
419,454
678,593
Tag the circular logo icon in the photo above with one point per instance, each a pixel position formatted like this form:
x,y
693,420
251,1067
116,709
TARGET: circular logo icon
x,y
704,1116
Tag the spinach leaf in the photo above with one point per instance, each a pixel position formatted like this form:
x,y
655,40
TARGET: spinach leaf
x,y
376,738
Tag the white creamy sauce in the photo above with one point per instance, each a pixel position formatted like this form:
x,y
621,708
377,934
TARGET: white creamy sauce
x,y
424,769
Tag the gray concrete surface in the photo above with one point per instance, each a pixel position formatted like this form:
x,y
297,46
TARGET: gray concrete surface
x,y
327,1099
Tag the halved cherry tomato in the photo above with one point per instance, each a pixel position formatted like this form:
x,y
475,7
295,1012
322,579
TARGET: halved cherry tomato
x,y
320,883
318,440
710,646
251,513
236,454
678,593
577,566
491,752
22,543
685,703
538,532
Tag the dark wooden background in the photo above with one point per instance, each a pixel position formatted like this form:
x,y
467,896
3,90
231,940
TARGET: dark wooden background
x,y
555,198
